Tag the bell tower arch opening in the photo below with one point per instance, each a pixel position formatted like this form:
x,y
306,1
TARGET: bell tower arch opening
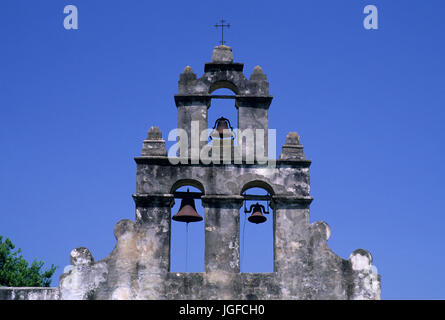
x,y
257,229
222,105
187,240
223,84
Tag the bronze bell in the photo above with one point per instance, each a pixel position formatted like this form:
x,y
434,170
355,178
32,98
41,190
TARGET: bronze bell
x,y
257,215
187,211
222,124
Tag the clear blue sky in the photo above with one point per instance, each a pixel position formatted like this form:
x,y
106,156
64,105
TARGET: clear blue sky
x,y
369,106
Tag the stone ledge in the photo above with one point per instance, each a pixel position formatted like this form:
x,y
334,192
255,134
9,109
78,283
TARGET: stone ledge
x,y
162,160
281,199
153,200
222,201
253,101
221,66
184,100
29,293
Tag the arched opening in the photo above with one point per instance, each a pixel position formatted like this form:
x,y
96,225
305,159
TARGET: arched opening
x,y
222,106
258,184
257,229
223,84
187,182
187,236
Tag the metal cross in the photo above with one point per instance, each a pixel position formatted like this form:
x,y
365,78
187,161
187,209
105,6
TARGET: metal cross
x,y
222,26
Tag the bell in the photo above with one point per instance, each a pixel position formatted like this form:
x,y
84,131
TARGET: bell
x,y
222,124
187,211
257,215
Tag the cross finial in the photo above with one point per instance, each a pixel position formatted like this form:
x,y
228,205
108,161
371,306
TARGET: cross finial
x,y
222,26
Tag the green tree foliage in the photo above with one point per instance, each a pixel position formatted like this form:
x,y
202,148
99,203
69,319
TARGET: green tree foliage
x,y
16,272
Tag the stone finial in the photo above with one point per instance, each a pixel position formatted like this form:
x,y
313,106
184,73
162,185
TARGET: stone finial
x,y
81,256
257,70
360,260
154,145
188,69
292,150
154,134
222,54
82,280
293,138
257,74
319,235
187,80
123,227
187,76
323,229
258,82
366,280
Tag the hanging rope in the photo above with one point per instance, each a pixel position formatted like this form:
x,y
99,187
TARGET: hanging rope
x,y
244,232
186,245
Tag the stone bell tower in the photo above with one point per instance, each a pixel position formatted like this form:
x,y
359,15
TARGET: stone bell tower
x,y
252,98
139,265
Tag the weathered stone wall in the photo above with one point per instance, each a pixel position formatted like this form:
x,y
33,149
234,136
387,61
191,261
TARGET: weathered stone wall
x,y
252,97
304,265
19,293
158,176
